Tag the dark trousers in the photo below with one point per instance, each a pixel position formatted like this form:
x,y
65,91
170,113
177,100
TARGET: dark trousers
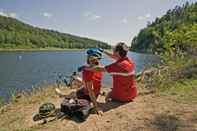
x,y
81,95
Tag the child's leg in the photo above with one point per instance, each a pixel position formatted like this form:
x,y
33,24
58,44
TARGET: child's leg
x,y
60,93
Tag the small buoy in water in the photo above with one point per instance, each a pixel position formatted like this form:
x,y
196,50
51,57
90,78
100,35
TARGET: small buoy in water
x,y
19,57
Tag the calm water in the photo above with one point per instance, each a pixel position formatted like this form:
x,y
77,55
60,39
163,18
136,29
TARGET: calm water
x,y
19,71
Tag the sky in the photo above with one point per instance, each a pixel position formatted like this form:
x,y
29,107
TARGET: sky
x,y
110,21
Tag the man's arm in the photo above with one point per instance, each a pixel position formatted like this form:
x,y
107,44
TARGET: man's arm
x,y
110,54
110,70
98,68
92,96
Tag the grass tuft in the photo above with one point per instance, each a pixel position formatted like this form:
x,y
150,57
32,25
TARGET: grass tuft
x,y
167,122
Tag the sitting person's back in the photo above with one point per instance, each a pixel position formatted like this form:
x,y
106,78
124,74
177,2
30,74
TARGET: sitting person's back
x,y
124,86
123,73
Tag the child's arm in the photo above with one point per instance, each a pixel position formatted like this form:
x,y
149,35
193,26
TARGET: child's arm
x,y
89,86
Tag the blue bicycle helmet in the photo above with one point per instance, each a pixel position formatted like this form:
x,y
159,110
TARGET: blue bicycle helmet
x,y
94,52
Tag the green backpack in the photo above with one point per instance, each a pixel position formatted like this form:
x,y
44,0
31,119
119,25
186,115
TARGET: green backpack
x,y
46,110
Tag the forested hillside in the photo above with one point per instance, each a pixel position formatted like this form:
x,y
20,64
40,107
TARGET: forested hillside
x,y
176,30
16,34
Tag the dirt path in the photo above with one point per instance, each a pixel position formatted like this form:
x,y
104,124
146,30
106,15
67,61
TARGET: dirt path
x,y
148,112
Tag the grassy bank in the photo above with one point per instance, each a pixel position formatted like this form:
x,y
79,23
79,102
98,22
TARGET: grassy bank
x,y
157,107
167,101
14,114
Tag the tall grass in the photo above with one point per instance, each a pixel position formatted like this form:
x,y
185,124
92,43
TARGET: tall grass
x,y
1,102
177,75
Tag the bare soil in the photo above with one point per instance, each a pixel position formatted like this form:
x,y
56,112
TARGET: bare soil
x,y
148,112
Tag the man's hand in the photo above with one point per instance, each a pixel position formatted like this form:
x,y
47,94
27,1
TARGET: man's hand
x,y
98,112
80,69
100,49
108,97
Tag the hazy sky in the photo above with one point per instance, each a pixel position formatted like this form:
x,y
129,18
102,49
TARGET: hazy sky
x,y
106,20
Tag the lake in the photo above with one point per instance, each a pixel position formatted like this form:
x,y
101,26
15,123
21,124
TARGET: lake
x,y
20,71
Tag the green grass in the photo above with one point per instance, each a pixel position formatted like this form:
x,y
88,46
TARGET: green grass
x,y
194,116
184,90
13,115
179,79
1,102
167,122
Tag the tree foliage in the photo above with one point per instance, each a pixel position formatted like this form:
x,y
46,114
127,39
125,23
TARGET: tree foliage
x,y
16,34
176,30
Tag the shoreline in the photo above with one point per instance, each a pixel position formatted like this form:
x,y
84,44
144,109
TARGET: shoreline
x,y
27,105
167,104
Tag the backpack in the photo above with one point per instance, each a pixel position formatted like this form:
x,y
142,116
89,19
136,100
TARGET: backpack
x,y
46,110
78,108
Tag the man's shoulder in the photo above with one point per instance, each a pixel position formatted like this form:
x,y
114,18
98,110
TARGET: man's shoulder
x,y
129,60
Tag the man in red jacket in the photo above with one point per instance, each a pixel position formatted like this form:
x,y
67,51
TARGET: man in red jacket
x,y
123,74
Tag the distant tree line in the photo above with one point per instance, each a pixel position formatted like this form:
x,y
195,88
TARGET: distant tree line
x,y
16,34
177,29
